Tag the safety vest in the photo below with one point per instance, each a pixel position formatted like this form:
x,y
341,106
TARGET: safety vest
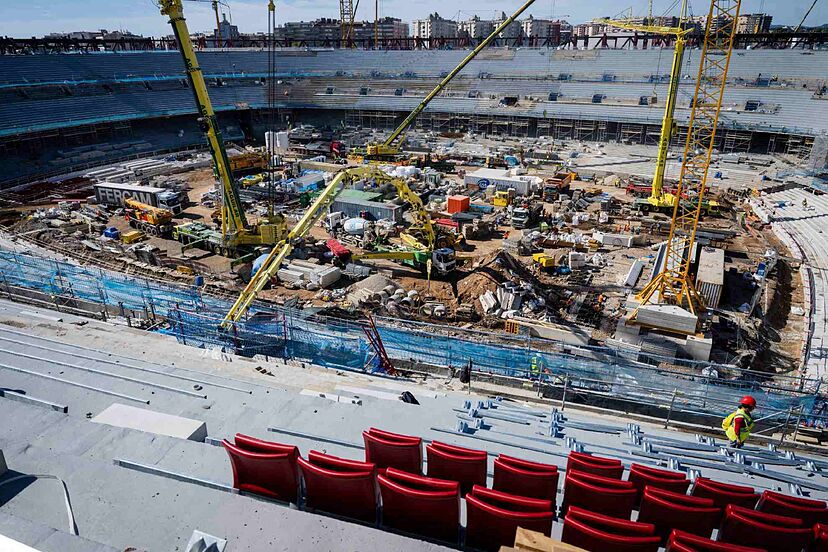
x,y
729,427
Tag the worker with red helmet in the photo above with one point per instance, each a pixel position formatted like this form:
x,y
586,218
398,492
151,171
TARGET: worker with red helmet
x,y
738,425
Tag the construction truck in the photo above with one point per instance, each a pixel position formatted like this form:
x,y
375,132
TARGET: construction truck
x,y
559,184
115,194
526,217
154,221
236,234
248,161
709,207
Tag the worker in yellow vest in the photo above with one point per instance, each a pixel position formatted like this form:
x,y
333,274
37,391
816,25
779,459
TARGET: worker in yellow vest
x,y
738,425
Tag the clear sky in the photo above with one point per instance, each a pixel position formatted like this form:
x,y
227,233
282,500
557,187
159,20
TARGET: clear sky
x,y
25,18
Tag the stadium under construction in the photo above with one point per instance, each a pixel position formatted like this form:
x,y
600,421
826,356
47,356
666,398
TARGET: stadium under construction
x,y
342,296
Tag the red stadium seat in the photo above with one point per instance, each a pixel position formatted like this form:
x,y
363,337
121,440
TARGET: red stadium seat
x,y
263,467
340,486
820,538
466,466
492,517
642,476
611,524
752,528
420,505
668,511
681,541
725,493
606,467
599,533
525,478
808,510
392,450
603,495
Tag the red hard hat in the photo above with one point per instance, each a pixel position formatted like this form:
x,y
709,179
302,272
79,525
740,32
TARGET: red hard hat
x,y
747,400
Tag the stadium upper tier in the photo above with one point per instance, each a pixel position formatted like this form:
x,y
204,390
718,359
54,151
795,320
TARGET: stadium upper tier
x,y
624,65
770,90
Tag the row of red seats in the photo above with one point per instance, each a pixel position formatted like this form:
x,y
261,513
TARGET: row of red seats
x,y
593,484
523,493
742,530
666,513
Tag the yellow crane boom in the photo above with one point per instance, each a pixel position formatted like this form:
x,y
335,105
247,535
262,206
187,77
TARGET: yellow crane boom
x,y
673,283
235,229
388,147
668,125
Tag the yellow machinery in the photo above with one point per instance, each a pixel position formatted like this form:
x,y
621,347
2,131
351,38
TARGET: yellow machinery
x,y
347,12
154,221
235,230
132,236
389,151
501,198
248,160
421,229
544,260
659,200
673,283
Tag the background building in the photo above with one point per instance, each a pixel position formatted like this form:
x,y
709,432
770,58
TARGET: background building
x,y
475,28
226,30
753,23
434,26
513,30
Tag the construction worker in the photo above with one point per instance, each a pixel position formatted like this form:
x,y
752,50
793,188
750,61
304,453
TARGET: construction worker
x,y
738,425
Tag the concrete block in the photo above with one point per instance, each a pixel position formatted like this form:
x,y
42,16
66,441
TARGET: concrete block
x,y
202,542
668,317
10,545
698,347
121,415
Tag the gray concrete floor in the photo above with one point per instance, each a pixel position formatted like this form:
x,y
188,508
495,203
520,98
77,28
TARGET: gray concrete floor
x,y
122,508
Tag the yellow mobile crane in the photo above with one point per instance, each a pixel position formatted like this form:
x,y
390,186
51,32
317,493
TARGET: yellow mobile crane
x,y
154,221
389,150
236,231
659,200
673,283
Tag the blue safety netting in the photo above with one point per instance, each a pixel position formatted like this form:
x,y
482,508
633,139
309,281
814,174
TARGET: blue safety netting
x,y
269,331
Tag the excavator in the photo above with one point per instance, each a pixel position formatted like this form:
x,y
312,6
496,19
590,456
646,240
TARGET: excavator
x,y
390,151
237,233
153,221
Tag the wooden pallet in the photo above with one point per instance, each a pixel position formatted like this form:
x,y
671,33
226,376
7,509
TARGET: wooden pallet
x,y
532,541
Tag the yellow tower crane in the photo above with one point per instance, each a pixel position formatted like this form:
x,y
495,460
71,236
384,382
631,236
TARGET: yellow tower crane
x,y
673,283
347,13
659,200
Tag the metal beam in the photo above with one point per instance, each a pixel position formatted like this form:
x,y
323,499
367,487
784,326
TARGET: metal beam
x,y
74,383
